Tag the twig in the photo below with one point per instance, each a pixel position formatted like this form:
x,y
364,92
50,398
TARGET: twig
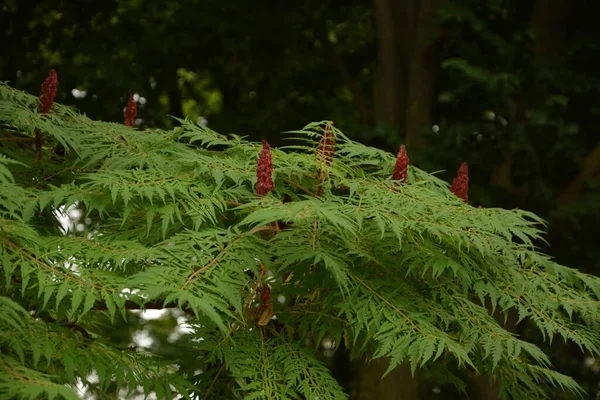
x,y
38,147
222,252
24,139
305,190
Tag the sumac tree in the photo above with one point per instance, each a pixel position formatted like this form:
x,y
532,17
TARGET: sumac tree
x,y
334,239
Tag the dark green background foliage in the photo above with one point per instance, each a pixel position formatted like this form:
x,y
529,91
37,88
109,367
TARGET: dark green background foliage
x,y
510,86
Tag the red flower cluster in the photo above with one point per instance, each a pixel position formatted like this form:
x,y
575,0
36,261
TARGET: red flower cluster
x,y
325,150
401,167
460,184
264,171
130,111
48,92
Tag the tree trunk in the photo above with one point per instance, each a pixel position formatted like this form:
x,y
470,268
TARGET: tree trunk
x,y
389,80
397,385
589,169
404,81
549,23
421,74
403,101
15,27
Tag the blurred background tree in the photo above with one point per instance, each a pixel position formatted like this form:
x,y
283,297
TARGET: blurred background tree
x,y
510,86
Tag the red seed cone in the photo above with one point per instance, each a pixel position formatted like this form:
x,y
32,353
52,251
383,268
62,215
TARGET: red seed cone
x,y
130,111
325,150
264,171
401,167
47,95
48,92
265,295
460,184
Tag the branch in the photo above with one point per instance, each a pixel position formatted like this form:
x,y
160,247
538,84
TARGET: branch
x,y
133,306
70,325
79,329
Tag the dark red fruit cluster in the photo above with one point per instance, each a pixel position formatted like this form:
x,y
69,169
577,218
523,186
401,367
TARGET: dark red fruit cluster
x,y
460,184
264,171
48,92
130,111
401,167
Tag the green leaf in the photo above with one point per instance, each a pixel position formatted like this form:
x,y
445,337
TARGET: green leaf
x,y
76,299
110,305
61,293
90,300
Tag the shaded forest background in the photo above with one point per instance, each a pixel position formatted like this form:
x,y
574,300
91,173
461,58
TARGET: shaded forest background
x,y
510,86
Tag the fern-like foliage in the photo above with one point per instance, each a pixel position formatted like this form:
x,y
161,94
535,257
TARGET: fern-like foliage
x,y
404,271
